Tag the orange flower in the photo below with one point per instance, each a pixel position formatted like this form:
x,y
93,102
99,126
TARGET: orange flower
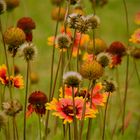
x,y
98,98
18,81
135,37
137,18
63,108
3,71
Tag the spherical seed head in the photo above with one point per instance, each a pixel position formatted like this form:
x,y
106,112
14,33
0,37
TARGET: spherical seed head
x,y
57,2
91,70
63,41
26,24
11,4
37,98
28,51
94,21
55,11
135,53
72,79
3,119
11,108
14,36
117,48
3,6
104,59
100,46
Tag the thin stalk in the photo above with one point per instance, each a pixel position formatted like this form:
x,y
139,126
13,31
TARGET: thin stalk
x,y
16,129
90,119
83,113
14,132
127,69
53,54
137,130
69,132
56,76
25,104
74,118
39,120
105,114
78,51
136,69
6,59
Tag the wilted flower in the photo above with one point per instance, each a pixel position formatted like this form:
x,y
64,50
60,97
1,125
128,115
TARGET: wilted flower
x,y
3,119
91,70
26,24
63,108
12,108
137,18
135,53
93,21
135,37
117,48
14,36
37,101
3,6
104,59
100,46
55,16
72,78
11,4
28,51
63,41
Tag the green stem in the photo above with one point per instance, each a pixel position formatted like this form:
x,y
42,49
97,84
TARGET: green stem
x,y
16,129
78,52
14,134
6,59
69,132
39,120
74,117
83,113
105,114
127,69
25,104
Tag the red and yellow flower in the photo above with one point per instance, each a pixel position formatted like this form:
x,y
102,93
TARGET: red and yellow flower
x,y
135,37
63,108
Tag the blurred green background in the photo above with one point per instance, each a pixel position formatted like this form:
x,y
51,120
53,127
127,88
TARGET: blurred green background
x,y
113,27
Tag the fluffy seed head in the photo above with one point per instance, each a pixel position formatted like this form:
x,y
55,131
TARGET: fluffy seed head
x,y
11,108
91,70
72,79
63,41
104,59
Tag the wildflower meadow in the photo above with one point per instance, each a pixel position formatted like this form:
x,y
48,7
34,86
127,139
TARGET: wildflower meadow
x,y
69,70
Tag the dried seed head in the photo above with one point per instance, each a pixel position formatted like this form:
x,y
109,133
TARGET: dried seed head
x,y
91,70
72,79
104,59
11,108
3,6
61,16
63,41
